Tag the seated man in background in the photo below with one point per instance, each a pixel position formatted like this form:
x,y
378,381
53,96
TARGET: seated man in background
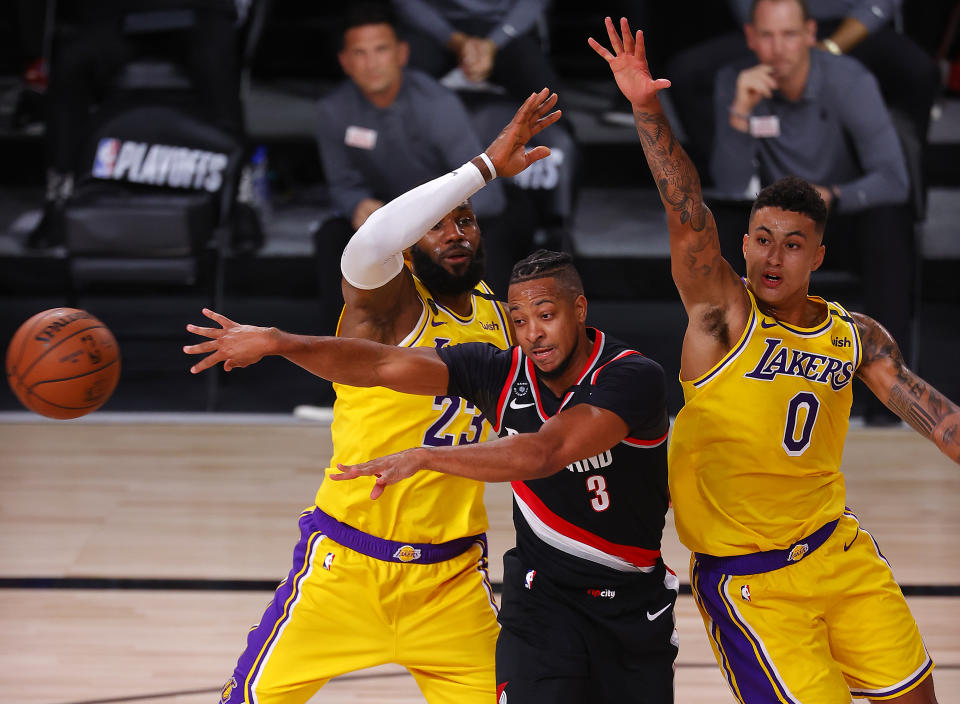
x,y
385,130
907,74
821,117
486,39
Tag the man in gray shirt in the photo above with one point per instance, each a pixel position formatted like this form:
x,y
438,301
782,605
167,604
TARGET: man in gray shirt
x,y
812,114
385,130
493,40
908,76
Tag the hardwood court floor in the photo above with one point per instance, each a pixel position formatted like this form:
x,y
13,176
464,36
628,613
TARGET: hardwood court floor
x,y
214,504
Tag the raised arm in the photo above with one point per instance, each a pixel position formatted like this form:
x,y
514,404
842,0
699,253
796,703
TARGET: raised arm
x,y
377,285
352,361
582,431
708,286
924,408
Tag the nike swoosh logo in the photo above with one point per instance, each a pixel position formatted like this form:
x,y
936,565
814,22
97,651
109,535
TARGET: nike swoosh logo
x,y
763,324
651,617
517,406
438,323
847,546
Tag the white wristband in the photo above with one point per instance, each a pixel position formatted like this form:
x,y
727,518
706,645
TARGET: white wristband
x,y
486,160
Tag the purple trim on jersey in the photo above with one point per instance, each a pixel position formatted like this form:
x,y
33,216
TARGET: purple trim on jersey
x,y
808,333
768,560
898,688
751,326
417,333
501,314
876,545
747,662
392,550
263,636
855,334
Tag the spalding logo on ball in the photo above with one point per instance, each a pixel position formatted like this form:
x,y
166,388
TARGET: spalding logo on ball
x,y
63,363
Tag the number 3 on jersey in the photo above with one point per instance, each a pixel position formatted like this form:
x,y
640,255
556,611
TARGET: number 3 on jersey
x,y
601,499
801,417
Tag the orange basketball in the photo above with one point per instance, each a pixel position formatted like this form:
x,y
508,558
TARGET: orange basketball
x,y
63,363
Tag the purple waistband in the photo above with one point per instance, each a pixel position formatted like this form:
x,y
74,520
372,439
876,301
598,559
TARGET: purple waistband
x,y
391,550
769,560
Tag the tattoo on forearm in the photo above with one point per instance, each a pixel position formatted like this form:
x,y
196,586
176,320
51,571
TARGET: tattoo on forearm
x,y
950,434
674,173
924,408
911,383
911,411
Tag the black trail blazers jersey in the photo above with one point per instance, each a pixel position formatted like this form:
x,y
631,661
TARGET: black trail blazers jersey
x,y
598,516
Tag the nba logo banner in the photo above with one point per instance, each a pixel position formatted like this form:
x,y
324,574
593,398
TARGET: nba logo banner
x,y
106,157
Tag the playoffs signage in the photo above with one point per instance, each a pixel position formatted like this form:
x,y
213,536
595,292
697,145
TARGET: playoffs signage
x,y
158,165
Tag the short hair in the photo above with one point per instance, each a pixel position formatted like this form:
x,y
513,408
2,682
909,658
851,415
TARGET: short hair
x,y
360,14
544,263
804,8
796,195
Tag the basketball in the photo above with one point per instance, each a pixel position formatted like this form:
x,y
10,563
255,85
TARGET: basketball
x,y
63,363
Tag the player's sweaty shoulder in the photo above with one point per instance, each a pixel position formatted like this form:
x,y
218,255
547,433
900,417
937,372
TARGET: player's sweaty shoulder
x,y
385,315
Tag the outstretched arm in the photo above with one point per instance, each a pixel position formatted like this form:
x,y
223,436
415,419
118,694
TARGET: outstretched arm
x,y
709,288
924,408
372,261
582,431
352,361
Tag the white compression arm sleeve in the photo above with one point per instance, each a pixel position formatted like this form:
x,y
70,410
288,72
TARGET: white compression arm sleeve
x,y
374,255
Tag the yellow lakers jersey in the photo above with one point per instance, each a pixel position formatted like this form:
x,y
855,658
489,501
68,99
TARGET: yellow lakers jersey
x,y
371,422
755,453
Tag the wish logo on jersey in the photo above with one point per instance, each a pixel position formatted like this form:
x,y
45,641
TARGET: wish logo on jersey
x,y
777,358
158,165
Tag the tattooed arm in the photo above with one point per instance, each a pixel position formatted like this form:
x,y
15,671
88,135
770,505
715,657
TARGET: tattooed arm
x,y
713,295
924,408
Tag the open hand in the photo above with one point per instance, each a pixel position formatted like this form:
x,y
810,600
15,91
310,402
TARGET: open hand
x,y
629,63
233,344
388,469
508,151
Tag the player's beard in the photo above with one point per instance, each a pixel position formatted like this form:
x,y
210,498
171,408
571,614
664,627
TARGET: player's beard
x,y
441,282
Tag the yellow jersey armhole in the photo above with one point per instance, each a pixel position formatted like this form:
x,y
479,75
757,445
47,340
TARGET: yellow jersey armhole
x,y
734,351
